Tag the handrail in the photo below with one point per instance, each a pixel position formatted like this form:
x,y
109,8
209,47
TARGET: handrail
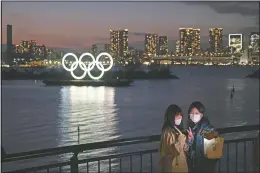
x,y
107,157
106,144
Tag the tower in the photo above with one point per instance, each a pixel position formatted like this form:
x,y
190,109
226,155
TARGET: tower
x,y
9,37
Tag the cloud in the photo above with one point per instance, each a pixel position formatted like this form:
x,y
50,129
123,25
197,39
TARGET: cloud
x,y
137,33
139,45
97,38
248,30
242,8
60,40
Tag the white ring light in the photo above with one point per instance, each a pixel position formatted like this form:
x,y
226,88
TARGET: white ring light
x,y
91,65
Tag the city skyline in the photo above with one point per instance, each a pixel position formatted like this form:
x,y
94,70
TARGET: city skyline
x,y
139,20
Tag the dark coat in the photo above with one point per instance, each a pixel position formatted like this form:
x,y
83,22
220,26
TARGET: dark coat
x,y
197,162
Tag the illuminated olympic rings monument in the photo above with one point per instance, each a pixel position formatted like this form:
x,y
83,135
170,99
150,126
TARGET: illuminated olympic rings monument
x,y
87,68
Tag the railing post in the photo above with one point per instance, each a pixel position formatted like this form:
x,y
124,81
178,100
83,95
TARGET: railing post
x,y
74,167
256,153
78,134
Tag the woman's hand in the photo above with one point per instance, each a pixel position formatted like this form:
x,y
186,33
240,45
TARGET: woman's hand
x,y
176,128
190,134
211,135
181,137
186,147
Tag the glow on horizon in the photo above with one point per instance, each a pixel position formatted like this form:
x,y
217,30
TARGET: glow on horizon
x,y
72,25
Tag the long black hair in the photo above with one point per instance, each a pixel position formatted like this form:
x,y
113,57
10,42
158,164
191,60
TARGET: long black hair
x,y
201,108
169,115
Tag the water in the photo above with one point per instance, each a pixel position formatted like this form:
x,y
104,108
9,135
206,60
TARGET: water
x,y
35,116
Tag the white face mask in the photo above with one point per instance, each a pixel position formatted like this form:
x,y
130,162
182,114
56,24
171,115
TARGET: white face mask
x,y
178,121
195,117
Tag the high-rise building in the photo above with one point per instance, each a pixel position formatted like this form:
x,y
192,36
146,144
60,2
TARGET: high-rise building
x,y
62,54
29,47
163,45
32,43
216,39
139,53
32,46
114,43
9,59
235,43
196,41
42,51
123,42
186,38
151,41
25,45
254,43
177,46
119,42
131,51
94,49
107,47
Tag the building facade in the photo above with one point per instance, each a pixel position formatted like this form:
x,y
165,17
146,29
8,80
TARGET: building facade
x,y
195,41
254,43
151,41
235,43
177,47
9,59
119,43
186,39
94,50
163,45
114,43
216,39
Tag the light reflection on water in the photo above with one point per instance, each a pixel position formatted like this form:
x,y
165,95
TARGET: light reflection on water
x,y
93,110
87,108
237,103
36,117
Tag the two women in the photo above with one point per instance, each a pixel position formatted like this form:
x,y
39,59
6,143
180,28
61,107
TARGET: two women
x,y
173,148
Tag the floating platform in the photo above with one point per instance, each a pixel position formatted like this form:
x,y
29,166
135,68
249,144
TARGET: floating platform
x,y
112,82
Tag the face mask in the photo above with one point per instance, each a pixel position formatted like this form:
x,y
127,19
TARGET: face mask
x,y
196,118
178,121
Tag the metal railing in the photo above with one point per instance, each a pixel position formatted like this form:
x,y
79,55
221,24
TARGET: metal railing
x,y
116,160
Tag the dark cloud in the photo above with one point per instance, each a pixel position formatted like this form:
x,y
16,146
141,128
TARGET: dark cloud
x,y
242,8
100,40
136,33
139,45
248,30
59,40
97,38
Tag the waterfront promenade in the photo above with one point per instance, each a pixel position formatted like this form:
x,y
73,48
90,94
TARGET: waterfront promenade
x,y
240,155
48,117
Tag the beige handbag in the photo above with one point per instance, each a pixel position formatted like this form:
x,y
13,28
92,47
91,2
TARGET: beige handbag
x,y
213,149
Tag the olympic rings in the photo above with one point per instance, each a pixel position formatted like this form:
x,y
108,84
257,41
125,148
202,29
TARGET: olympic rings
x,y
91,65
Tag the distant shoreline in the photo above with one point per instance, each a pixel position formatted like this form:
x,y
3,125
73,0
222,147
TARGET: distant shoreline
x,y
254,75
169,65
146,73
17,74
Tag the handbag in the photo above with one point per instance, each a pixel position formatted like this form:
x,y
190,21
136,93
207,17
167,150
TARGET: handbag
x,y
213,149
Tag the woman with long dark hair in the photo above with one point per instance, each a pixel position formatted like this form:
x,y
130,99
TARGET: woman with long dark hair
x,y
199,130
172,145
